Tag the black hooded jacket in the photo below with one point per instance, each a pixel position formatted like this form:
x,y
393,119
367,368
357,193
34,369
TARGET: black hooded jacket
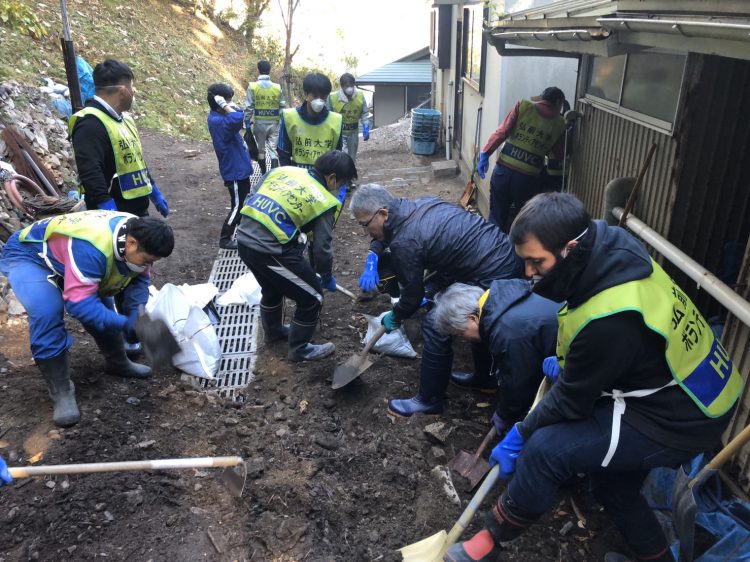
x,y
520,330
617,351
432,234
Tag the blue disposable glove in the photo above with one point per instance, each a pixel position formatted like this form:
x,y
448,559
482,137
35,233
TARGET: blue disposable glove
x,y
108,205
501,425
5,477
483,165
369,280
128,330
328,282
158,200
551,368
366,131
506,452
390,322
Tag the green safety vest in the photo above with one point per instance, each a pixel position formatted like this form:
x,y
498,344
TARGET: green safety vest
x,y
531,139
267,102
93,227
288,199
698,362
309,142
350,110
130,166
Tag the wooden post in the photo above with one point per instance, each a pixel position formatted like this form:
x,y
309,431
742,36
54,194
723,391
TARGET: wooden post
x,y
69,57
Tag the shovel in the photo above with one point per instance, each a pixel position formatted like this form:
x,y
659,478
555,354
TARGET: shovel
x,y
159,344
684,506
233,475
356,364
471,466
432,548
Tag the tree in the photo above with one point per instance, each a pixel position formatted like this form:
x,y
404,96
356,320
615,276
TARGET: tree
x,y
253,11
288,18
351,62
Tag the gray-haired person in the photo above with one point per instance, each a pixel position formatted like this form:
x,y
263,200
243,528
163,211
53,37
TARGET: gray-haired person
x,y
519,328
431,234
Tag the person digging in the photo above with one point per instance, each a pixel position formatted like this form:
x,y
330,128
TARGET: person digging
x,y
76,263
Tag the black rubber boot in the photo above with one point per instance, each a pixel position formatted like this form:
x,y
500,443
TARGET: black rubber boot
x,y
300,348
273,329
274,163
433,379
117,363
481,379
226,242
56,372
262,165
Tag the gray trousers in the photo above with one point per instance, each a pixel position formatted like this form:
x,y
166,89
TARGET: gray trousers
x,y
350,144
266,132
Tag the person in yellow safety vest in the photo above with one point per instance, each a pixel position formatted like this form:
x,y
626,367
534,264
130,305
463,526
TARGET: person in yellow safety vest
x,y
107,148
640,381
351,104
263,104
76,263
310,130
288,206
532,129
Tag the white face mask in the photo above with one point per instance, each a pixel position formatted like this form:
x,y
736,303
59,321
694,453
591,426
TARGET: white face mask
x,y
349,91
135,268
317,105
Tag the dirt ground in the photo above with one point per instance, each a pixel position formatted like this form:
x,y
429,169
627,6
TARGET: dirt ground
x,y
331,476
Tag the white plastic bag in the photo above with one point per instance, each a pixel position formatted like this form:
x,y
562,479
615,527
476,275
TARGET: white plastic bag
x,y
200,351
244,290
396,343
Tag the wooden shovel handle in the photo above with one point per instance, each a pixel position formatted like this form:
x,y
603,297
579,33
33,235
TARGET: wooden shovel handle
x,y
375,337
722,456
490,435
346,292
159,464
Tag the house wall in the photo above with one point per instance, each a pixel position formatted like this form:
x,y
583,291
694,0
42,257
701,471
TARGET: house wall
x,y
389,104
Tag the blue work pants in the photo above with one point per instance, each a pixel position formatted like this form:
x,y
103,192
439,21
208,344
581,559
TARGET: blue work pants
x,y
508,186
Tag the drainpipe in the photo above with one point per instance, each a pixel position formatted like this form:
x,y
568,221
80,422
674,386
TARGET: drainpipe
x,y
704,278
616,195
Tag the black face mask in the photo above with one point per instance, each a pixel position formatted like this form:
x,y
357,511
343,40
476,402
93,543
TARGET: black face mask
x,y
559,283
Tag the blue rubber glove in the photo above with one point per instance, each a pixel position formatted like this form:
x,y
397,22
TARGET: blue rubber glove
x,y
248,124
551,368
366,131
390,322
501,426
483,165
328,282
342,194
159,202
369,280
5,477
108,205
506,452
128,330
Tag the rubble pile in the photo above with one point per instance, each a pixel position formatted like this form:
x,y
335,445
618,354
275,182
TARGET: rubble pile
x,y
29,111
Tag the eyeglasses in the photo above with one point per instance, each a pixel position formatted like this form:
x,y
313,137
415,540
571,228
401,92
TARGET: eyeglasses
x,y
366,224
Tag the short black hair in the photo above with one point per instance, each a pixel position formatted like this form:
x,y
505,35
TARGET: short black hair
x,y
219,89
154,236
111,72
552,218
553,95
337,162
317,84
347,78
264,67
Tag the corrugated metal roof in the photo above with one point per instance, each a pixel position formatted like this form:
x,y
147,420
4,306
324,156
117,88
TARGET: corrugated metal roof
x,y
399,73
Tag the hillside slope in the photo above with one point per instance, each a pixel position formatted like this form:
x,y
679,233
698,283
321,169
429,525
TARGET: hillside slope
x,y
173,51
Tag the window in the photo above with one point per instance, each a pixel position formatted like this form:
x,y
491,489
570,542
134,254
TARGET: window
x,y
644,86
474,46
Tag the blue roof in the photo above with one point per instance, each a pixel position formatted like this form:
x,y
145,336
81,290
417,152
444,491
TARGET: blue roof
x,y
419,72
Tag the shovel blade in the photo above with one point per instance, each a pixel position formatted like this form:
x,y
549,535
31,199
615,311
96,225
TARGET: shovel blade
x,y
430,549
684,509
234,478
350,370
157,340
465,465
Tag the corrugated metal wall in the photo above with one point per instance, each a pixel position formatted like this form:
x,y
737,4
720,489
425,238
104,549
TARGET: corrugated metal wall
x,y
608,146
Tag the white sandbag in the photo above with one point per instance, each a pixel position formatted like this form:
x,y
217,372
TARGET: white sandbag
x,y
244,290
200,351
395,344
200,295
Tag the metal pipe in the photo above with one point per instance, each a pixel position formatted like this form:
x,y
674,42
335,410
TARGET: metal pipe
x,y
704,278
719,25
